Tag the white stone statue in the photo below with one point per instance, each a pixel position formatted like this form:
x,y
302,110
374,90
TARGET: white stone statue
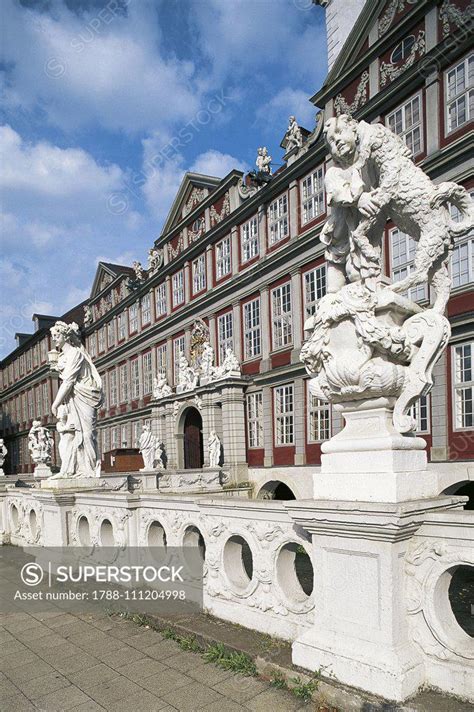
x,y
368,340
87,314
76,404
263,161
3,454
139,273
161,389
159,455
187,376
214,447
294,136
148,446
40,444
207,363
155,260
229,367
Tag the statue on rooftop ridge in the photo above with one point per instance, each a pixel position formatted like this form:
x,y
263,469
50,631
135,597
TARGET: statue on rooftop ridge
x,y
293,136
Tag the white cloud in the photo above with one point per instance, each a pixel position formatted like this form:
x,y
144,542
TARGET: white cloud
x,y
215,163
287,102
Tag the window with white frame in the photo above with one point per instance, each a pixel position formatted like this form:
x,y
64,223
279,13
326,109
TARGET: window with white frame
x,y
135,377
24,406
249,241
45,398
121,325
463,385
160,300
28,360
403,248
146,309
462,257
136,430
161,362
35,355
178,349
406,122
255,419
284,415
133,318
101,339
314,288
252,329
223,258
124,435
278,226
460,94
92,344
282,332
44,350
38,404
113,387
178,288
199,274
312,195
147,373
114,438
319,419
225,331
421,414
31,406
105,440
110,334
124,392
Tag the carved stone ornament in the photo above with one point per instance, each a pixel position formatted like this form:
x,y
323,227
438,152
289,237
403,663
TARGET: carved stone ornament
x,y
264,161
187,376
393,8
199,337
450,15
87,315
138,269
293,137
225,210
161,389
40,444
155,260
390,71
247,191
3,454
197,195
342,107
174,252
367,339
197,229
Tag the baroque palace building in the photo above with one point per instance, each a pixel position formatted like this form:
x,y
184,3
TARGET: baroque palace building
x,y
239,263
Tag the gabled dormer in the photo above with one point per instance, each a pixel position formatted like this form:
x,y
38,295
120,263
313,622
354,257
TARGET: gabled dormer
x,y
194,189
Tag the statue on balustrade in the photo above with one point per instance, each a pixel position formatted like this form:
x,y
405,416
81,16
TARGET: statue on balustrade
x,y
161,389
3,454
368,338
293,136
187,376
40,444
229,367
148,447
214,447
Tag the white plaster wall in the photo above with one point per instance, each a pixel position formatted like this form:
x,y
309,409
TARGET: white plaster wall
x,y
340,18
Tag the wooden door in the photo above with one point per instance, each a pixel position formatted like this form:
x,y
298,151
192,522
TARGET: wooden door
x,y
193,443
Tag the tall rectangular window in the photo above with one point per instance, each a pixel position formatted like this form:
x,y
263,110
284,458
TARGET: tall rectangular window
x,y
463,385
403,249
121,325
223,258
45,398
278,225
136,430
255,419
462,257
312,195
101,339
284,415
160,300
28,360
113,387
406,123
314,288
420,413
178,349
124,435
124,394
92,345
199,274
252,329
135,377
114,438
319,419
146,309
38,404
133,318
178,288
161,362
250,245
110,334
460,94
44,350
147,373
225,330
282,332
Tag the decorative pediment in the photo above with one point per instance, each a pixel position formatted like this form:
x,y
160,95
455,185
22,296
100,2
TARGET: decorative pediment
x,y
105,275
193,190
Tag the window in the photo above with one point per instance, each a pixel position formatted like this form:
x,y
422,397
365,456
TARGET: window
x,y
402,50
314,288
44,350
136,433
135,377
178,349
282,334
225,330
319,419
31,406
255,419
45,398
110,334
113,387
252,335
460,94
250,245
124,435
146,309
161,364
223,258
462,258
312,194
93,345
101,336
199,274
38,404
28,360
121,325
160,300
35,355
124,383
105,440
178,288
420,413
406,123
113,438
24,406
133,318
463,385
284,416
147,373
278,219
403,249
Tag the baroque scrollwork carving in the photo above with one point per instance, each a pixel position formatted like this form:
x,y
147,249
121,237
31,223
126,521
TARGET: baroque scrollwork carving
x,y
393,8
390,71
450,15
342,107
217,217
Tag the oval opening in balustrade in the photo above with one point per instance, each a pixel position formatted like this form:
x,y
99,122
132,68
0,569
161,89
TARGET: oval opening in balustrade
x,y
14,516
238,562
194,549
33,523
156,535
294,572
107,533
460,593
84,531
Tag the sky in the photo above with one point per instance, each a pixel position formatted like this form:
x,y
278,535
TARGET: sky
x,y
107,103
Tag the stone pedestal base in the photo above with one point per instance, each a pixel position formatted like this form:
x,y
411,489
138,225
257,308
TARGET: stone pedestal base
x,y
72,484
42,472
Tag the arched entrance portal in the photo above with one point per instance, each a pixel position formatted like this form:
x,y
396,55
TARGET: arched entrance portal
x,y
193,443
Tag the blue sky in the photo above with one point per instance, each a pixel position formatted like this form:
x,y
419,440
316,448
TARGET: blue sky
x,y
106,104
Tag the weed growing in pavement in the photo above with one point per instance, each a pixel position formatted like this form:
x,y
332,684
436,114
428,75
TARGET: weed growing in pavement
x,y
304,690
278,680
